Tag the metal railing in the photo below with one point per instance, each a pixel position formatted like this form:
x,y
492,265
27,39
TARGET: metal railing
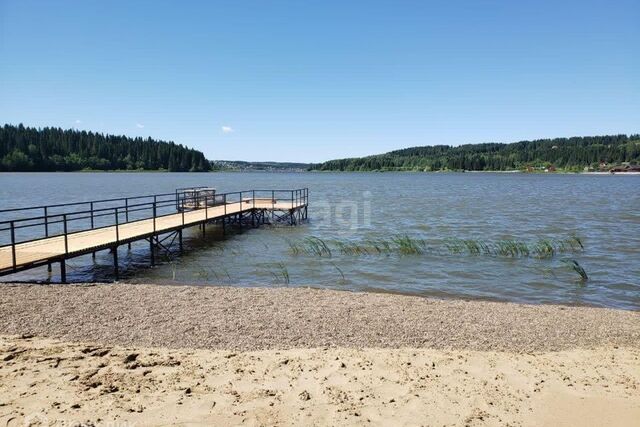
x,y
94,215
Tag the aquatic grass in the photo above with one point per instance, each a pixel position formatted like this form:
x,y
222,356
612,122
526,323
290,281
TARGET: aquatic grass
x,y
575,266
473,247
486,248
544,249
310,245
381,246
282,274
226,272
574,242
294,248
511,248
352,248
318,246
342,280
377,246
174,268
523,249
454,246
406,245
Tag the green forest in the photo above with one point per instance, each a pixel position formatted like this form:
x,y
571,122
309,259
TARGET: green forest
x,y
53,149
568,154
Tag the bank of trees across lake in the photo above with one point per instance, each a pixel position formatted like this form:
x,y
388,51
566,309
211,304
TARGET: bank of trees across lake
x,y
54,149
572,154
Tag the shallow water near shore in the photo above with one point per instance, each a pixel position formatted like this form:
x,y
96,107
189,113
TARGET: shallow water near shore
x,y
359,207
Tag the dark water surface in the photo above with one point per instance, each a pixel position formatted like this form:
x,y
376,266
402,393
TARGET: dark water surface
x,y
604,211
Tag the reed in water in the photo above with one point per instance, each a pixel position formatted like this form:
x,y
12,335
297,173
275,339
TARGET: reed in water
x,y
408,245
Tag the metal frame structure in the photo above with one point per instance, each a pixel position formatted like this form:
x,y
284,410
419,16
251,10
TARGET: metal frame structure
x,y
66,219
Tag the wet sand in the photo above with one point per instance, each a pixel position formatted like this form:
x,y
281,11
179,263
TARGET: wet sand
x,y
245,319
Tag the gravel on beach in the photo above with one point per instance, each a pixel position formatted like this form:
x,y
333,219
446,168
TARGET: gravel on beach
x,y
243,319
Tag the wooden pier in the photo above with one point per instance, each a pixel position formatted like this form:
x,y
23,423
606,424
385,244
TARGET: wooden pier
x,y
43,235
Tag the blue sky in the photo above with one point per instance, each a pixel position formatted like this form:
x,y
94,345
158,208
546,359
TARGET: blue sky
x,y
315,80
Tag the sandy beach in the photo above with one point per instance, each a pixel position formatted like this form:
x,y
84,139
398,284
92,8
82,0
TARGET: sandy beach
x,y
164,355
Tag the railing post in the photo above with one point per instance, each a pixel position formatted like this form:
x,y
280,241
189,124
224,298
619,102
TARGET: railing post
x,y
117,231
273,200
13,244
206,207
66,239
253,208
154,229
46,223
91,215
126,215
224,201
151,246
93,254
63,271
116,270
291,199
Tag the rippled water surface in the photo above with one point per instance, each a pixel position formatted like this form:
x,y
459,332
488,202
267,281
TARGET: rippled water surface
x,y
603,211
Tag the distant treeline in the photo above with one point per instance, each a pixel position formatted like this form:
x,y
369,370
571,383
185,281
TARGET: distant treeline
x,y
53,149
562,153
238,165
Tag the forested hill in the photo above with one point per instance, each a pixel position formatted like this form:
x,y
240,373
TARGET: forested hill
x,y
563,153
239,165
53,149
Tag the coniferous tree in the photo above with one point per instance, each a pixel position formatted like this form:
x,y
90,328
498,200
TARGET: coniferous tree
x,y
566,153
54,149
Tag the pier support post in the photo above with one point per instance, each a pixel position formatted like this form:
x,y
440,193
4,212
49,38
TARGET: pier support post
x,y
153,258
49,267
63,271
180,239
203,230
116,271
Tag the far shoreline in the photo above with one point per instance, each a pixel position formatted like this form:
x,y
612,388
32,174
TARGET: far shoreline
x,y
251,171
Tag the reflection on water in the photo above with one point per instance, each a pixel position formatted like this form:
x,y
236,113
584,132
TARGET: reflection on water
x,y
359,207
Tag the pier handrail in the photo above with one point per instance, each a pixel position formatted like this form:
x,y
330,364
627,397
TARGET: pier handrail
x,y
127,209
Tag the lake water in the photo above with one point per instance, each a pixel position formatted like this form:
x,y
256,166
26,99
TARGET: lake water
x,y
603,211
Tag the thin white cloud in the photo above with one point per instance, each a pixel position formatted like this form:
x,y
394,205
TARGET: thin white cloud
x,y
78,121
227,129
139,125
